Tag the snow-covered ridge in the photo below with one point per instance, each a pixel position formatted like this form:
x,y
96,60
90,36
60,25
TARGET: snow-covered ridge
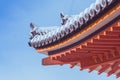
x,y
43,36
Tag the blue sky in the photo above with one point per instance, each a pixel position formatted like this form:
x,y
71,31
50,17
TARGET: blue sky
x,y
18,61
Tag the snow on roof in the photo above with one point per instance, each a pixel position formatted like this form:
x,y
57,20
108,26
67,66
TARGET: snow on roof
x,y
46,35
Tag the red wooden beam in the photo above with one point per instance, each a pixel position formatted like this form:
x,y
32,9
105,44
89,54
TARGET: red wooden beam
x,y
104,67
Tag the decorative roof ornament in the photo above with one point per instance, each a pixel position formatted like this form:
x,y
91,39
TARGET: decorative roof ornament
x,y
64,18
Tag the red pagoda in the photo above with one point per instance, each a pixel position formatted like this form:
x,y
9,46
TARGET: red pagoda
x,y
90,39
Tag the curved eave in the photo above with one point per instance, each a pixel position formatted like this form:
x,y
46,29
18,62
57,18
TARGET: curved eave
x,y
104,19
78,21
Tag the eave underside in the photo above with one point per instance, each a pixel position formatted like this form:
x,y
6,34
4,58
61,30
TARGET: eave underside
x,y
101,52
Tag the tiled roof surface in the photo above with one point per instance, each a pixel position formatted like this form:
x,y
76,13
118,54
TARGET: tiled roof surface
x,y
43,37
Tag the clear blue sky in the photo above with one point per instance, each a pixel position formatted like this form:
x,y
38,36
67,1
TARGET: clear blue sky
x,y
18,61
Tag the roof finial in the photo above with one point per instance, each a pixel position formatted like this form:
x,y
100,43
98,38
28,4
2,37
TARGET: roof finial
x,y
64,18
62,15
32,26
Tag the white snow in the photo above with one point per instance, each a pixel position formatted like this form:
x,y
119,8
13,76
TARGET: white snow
x,y
54,30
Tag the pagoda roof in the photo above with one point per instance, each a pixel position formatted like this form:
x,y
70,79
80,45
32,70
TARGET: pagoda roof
x,y
90,39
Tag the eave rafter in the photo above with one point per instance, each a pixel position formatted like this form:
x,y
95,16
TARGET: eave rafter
x,y
101,50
